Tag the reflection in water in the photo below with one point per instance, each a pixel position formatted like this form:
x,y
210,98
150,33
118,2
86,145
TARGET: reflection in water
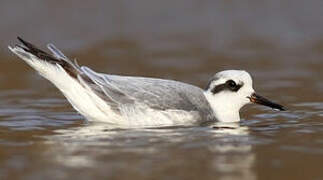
x,y
239,165
227,146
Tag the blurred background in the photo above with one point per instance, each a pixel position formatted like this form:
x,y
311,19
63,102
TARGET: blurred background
x,y
279,42
184,40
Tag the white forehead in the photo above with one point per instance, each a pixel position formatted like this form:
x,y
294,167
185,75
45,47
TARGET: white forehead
x,y
235,75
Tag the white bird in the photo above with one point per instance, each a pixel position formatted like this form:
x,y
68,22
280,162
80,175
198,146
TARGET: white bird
x,y
127,101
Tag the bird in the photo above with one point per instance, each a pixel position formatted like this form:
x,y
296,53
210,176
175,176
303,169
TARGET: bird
x,y
132,101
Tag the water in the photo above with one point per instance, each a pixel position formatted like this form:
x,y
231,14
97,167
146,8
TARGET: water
x,y
279,43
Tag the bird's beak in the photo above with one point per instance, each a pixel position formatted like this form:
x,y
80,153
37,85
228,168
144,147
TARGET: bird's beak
x,y
255,98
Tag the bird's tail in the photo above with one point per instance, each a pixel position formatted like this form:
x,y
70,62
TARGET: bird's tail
x,y
69,78
42,61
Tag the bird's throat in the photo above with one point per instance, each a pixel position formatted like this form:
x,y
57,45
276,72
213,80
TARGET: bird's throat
x,y
223,109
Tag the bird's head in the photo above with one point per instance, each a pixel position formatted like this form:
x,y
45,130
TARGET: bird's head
x,y
228,91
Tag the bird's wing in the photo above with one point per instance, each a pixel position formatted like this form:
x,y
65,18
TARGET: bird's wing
x,y
146,94
155,93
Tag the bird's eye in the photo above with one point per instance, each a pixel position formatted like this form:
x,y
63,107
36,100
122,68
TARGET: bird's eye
x,y
228,85
231,84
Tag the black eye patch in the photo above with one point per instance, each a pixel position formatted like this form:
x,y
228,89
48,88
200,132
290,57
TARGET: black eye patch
x,y
233,86
228,85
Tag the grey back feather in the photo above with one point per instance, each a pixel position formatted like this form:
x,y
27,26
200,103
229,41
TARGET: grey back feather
x,y
158,94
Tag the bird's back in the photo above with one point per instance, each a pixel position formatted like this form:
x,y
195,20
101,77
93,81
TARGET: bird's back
x,y
158,94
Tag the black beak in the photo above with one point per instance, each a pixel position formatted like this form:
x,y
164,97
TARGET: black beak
x,y
255,98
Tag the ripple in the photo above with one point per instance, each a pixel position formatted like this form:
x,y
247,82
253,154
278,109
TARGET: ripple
x,y
19,110
314,105
310,150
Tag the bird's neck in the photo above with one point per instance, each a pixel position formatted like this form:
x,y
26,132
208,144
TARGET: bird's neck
x,y
223,108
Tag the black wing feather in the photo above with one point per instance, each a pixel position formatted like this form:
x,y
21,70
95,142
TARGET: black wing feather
x,y
69,68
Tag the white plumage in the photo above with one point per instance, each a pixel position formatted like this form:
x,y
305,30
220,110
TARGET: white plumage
x,y
137,101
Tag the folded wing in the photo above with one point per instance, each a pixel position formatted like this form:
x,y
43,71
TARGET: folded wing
x,y
157,94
